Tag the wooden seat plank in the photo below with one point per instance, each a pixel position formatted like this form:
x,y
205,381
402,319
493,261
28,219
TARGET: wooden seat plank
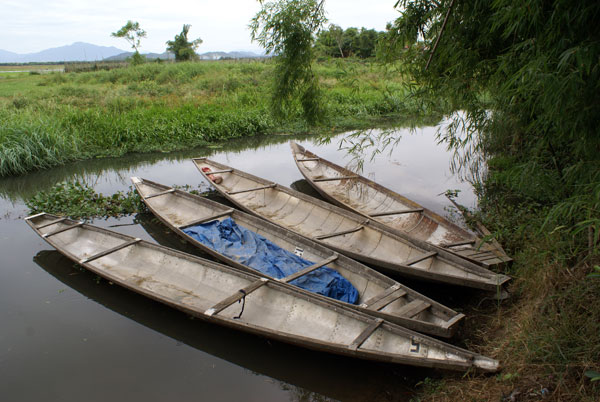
x,y
309,269
419,259
228,301
251,189
335,178
160,193
54,222
400,212
109,251
380,304
413,308
63,229
343,232
363,336
207,219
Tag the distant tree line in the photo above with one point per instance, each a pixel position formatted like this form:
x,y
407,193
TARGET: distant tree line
x,y
338,42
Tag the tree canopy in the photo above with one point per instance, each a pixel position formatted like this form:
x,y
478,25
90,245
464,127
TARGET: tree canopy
x,y
286,29
337,42
132,33
181,47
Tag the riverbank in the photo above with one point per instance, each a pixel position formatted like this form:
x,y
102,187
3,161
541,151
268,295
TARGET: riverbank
x,y
52,119
547,335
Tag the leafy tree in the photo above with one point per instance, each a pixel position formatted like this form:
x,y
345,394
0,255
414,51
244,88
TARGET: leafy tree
x,y
133,34
527,77
286,29
367,42
337,42
181,47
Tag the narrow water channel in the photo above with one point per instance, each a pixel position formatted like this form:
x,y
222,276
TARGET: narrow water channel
x,y
67,336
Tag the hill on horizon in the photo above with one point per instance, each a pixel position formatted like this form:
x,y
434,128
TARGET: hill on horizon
x,y
78,51
81,51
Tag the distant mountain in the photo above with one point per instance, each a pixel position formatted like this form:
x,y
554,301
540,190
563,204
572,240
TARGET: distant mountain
x,y
202,56
150,56
6,55
78,51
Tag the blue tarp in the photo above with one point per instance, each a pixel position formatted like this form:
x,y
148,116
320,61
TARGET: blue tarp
x,y
253,250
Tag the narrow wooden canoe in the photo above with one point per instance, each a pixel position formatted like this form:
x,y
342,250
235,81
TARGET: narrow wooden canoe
x,y
346,232
211,291
365,197
379,295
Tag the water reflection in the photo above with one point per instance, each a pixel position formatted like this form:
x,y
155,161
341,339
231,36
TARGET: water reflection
x,y
123,349
303,374
89,171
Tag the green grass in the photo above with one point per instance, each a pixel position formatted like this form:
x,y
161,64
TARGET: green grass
x,y
51,119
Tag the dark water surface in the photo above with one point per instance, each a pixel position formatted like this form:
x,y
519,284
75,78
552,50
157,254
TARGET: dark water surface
x,y
67,336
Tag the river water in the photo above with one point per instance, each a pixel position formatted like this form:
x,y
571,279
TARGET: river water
x,y
65,335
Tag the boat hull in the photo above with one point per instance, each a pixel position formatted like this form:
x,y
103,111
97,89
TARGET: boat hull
x,y
372,200
214,292
351,234
379,295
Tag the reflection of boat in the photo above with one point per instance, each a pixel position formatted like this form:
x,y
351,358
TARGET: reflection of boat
x,y
351,234
378,295
255,354
363,196
211,292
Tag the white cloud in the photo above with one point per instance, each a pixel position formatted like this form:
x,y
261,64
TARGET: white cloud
x,y
34,25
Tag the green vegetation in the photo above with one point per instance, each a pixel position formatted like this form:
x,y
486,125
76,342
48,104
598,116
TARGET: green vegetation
x,y
522,81
51,119
526,78
133,34
287,29
338,42
183,49
78,200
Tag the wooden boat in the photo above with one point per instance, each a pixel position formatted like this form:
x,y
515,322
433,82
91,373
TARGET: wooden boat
x,y
379,295
344,231
365,197
211,291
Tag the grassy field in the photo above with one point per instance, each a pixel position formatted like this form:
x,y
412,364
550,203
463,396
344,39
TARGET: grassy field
x,y
50,119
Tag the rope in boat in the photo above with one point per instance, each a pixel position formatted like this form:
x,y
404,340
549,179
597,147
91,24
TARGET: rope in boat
x,y
243,300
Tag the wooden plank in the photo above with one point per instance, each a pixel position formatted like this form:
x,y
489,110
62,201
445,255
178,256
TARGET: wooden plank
x,y
335,178
109,251
360,339
223,304
404,211
308,159
327,236
35,216
207,219
381,295
309,269
219,171
159,194
64,229
387,300
419,259
459,243
251,189
453,320
413,308
54,222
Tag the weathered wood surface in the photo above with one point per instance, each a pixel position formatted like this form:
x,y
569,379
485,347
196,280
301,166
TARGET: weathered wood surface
x,y
274,310
180,207
374,243
366,197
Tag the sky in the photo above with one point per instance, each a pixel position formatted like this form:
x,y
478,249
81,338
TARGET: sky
x,y
29,26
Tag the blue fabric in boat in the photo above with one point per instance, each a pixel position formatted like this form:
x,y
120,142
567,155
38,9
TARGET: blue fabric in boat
x,y
253,250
